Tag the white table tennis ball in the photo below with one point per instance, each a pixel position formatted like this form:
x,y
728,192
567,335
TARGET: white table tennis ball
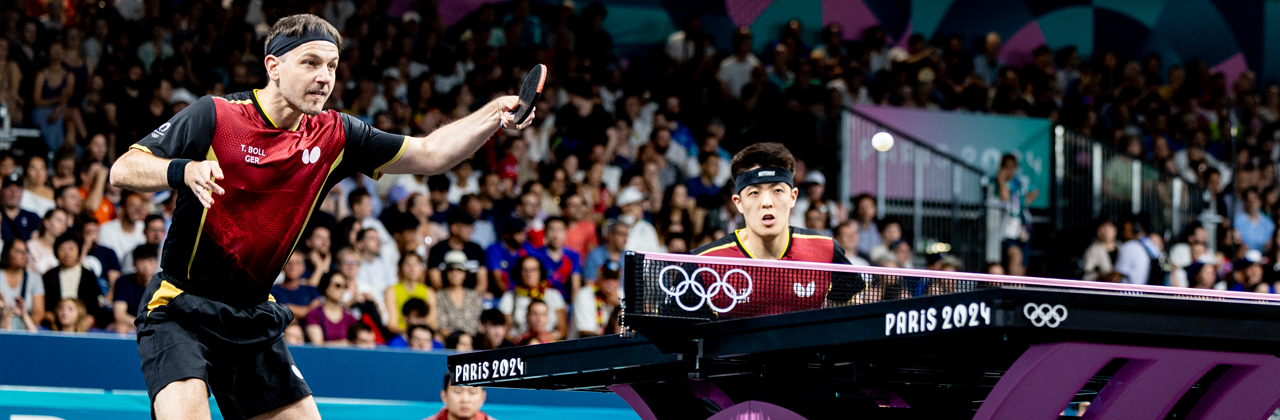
x,y
882,141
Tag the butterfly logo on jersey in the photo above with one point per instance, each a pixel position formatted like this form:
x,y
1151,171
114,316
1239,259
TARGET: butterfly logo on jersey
x,y
311,156
804,291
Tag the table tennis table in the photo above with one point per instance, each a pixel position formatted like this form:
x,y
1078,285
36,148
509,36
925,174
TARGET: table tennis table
x,y
907,344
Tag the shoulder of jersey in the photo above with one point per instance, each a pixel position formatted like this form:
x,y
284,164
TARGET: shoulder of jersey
x,y
803,233
725,246
239,98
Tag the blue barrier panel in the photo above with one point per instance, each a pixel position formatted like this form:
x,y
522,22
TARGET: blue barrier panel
x,y
110,362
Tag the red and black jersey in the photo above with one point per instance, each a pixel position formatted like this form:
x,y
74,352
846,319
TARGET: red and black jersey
x,y
783,295
274,179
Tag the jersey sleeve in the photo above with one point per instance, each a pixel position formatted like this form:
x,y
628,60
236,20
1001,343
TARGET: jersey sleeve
x,y
837,254
371,149
185,136
844,285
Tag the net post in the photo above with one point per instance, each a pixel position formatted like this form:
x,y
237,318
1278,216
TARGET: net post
x,y
633,269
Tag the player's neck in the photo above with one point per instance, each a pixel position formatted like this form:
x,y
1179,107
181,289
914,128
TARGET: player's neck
x,y
765,247
277,108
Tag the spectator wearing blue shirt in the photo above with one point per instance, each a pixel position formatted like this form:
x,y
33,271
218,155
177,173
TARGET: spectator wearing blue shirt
x,y
502,255
127,294
1255,228
16,222
563,265
615,237
703,188
300,298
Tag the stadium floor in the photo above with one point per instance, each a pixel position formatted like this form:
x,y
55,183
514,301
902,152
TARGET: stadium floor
x,y
39,403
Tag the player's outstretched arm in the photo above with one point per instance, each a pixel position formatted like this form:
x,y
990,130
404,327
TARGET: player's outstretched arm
x,y
448,145
141,171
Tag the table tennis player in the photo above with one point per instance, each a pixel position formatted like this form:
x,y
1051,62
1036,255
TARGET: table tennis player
x,y
250,168
762,175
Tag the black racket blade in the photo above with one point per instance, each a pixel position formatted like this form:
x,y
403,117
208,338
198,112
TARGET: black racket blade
x,y
530,91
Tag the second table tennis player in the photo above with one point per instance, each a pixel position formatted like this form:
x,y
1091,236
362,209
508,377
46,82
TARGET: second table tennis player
x,y
766,196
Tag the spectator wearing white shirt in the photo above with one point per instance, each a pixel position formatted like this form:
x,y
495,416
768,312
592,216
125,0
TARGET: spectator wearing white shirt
x,y
154,232
376,274
594,303
1138,260
684,45
735,70
126,231
462,181
642,237
847,235
362,209
531,283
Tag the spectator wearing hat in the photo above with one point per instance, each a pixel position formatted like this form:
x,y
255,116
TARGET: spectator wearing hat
x,y
16,222
459,240
1246,274
1138,260
493,331
563,265
126,296
1203,274
815,188
595,303
642,237
502,255
458,307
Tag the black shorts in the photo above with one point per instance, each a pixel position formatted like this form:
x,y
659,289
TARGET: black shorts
x,y
238,351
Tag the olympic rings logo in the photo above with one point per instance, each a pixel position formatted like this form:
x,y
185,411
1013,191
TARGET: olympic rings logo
x,y
1045,314
705,294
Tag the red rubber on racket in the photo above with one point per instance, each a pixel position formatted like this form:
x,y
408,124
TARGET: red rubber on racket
x,y
530,91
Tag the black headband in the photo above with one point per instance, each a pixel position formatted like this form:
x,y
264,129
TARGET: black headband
x,y
762,176
283,43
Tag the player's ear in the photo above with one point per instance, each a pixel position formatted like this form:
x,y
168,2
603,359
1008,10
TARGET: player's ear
x,y
272,63
737,202
795,192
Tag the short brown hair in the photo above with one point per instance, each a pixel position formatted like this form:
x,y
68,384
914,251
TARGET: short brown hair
x,y
296,25
763,155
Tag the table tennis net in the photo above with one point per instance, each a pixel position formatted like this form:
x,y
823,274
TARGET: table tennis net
x,y
696,287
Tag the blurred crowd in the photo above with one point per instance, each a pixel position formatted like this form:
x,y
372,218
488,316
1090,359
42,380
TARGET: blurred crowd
x,y
522,243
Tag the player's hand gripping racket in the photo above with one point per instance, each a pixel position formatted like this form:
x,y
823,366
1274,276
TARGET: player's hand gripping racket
x,y
530,91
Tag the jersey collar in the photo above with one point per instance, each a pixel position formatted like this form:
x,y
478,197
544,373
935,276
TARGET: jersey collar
x,y
266,119
737,239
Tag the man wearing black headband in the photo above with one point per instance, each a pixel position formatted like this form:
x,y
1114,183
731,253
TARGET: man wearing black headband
x,y
766,197
250,168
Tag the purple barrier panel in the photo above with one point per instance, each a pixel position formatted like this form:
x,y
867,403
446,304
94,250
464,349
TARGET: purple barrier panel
x,y
756,410
1243,392
633,399
709,390
1047,377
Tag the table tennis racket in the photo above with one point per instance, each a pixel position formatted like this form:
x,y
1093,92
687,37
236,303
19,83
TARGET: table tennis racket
x,y
530,91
